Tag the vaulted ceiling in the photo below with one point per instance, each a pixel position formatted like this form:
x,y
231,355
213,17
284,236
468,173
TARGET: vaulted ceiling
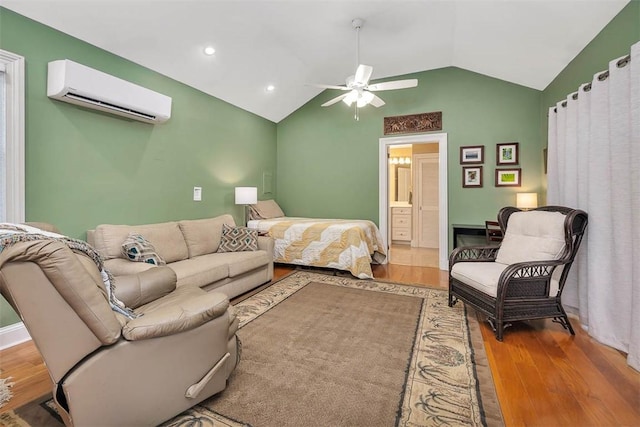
x,y
289,44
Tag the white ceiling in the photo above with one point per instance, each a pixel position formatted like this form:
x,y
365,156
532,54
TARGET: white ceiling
x,y
292,43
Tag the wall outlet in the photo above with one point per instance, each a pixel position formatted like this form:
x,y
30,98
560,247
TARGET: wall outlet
x,y
197,194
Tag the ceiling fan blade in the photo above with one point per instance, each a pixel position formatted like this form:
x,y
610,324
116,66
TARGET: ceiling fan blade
x,y
329,86
376,101
363,74
396,84
334,100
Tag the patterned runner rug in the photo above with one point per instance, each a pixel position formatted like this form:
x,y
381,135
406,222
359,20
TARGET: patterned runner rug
x,y
5,390
322,350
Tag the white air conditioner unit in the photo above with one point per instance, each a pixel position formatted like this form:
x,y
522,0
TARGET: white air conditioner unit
x,y
77,84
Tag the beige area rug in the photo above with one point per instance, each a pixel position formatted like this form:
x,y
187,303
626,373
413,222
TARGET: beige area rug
x,y
320,350
5,390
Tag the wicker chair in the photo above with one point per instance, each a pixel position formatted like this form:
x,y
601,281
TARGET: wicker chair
x,y
523,278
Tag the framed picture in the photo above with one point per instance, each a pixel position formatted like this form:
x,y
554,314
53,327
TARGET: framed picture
x,y
507,154
508,177
472,177
472,154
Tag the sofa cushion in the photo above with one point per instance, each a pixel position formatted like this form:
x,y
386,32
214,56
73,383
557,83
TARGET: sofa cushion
x,y
137,248
238,239
532,236
242,262
200,271
166,237
203,235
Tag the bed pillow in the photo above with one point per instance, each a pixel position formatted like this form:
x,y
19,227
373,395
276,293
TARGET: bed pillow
x,y
266,209
137,248
238,239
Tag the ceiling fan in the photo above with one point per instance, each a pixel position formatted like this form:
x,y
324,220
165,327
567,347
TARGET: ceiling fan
x,y
359,91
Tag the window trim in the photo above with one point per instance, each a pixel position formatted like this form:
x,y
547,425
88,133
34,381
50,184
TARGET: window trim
x,y
15,136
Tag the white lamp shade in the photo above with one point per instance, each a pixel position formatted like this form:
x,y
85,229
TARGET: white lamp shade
x,y
246,195
526,200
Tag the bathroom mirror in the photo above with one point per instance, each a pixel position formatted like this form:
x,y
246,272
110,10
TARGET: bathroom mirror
x,y
402,175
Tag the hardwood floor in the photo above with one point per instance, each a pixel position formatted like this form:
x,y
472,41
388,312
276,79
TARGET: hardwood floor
x,y
543,376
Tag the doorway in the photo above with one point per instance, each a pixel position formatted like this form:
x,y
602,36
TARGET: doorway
x,y
426,203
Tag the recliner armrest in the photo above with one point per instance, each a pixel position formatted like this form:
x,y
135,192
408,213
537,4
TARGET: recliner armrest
x,y
135,290
185,309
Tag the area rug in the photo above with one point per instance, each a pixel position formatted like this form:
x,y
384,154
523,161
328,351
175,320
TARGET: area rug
x,y
5,390
320,350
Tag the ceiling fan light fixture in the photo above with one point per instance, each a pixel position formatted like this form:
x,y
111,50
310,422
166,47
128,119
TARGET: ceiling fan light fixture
x,y
351,97
364,99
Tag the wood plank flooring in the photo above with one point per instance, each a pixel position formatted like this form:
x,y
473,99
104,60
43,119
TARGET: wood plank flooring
x,y
543,376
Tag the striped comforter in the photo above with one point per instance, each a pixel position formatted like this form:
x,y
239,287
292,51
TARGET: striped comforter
x,y
350,245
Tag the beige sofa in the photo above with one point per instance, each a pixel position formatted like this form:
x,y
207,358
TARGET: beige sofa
x,y
189,249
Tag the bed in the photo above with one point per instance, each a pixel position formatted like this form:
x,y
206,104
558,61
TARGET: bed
x,y
350,245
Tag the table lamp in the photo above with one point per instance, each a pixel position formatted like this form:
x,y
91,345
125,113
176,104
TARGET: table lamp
x,y
526,201
246,196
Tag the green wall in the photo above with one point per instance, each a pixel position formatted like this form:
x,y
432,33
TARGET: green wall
x,y
328,162
612,42
84,167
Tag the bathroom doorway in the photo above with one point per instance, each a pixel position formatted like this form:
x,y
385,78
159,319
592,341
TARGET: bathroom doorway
x,y
413,200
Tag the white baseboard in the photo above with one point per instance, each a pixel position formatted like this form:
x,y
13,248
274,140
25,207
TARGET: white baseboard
x,y
12,335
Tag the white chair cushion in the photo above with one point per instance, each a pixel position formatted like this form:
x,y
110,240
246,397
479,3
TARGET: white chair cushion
x,y
482,276
532,236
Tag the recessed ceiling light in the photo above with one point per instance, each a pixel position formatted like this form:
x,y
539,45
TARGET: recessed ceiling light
x,y
270,88
209,50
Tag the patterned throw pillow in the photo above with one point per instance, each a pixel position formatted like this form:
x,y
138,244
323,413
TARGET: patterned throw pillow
x,y
137,248
238,239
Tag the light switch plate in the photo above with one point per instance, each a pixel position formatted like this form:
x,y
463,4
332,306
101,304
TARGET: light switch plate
x,y
197,194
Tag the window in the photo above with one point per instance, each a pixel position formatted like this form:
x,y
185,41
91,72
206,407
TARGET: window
x,y
11,137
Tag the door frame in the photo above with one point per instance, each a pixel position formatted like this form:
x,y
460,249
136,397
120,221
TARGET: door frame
x,y
383,187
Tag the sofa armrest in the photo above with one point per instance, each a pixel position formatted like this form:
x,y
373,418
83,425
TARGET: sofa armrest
x,y
266,243
135,290
188,311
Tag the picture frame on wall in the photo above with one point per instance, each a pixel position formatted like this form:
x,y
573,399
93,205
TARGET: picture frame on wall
x,y
472,177
472,154
508,177
507,154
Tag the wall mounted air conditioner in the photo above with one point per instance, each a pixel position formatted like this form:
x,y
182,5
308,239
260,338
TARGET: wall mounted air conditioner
x,y
77,84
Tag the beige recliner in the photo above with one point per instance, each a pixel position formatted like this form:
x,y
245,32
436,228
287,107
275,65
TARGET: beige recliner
x,y
107,368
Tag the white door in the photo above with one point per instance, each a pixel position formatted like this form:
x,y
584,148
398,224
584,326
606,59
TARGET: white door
x,y
426,206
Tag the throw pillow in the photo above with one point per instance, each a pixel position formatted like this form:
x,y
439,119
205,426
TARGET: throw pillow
x,y
137,248
238,239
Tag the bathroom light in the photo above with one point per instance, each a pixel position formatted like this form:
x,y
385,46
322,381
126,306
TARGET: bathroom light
x,y
400,160
270,88
209,50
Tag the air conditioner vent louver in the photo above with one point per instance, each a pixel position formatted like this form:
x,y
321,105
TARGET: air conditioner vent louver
x,y
77,84
110,106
